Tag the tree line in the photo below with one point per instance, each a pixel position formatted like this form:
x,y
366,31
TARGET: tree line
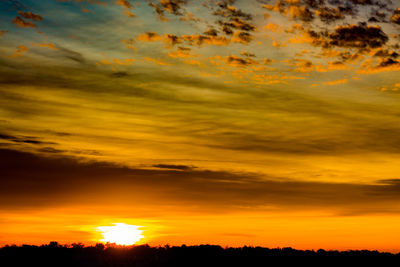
x,y
111,255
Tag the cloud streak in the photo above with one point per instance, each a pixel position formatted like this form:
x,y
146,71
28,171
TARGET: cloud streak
x,y
46,182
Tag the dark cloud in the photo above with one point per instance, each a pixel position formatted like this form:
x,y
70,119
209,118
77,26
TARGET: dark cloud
x,y
236,24
174,7
23,23
314,3
30,141
72,55
298,10
377,16
348,57
173,167
385,53
47,181
240,62
335,11
159,11
58,133
247,54
199,39
242,37
356,41
7,137
124,3
390,181
329,15
211,32
90,152
149,37
231,20
327,10
51,150
173,39
24,139
396,16
234,18
351,135
225,8
378,3
267,61
184,49
303,13
388,62
127,6
30,15
119,74
190,39
358,36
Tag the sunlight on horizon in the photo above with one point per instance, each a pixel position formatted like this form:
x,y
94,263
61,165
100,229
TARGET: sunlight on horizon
x,y
121,234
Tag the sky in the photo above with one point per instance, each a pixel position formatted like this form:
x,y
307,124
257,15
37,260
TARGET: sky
x,y
257,122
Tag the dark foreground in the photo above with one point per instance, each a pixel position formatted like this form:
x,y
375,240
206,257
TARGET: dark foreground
x,y
203,255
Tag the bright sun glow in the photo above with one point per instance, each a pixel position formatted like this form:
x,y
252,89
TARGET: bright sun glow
x,y
121,234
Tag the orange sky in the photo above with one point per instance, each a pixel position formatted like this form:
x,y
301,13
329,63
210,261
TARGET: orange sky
x,y
302,230
265,122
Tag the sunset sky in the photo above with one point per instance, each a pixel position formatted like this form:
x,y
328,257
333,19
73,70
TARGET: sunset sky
x,y
230,122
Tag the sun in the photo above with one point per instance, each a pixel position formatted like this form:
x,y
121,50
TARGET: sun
x,y
121,234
